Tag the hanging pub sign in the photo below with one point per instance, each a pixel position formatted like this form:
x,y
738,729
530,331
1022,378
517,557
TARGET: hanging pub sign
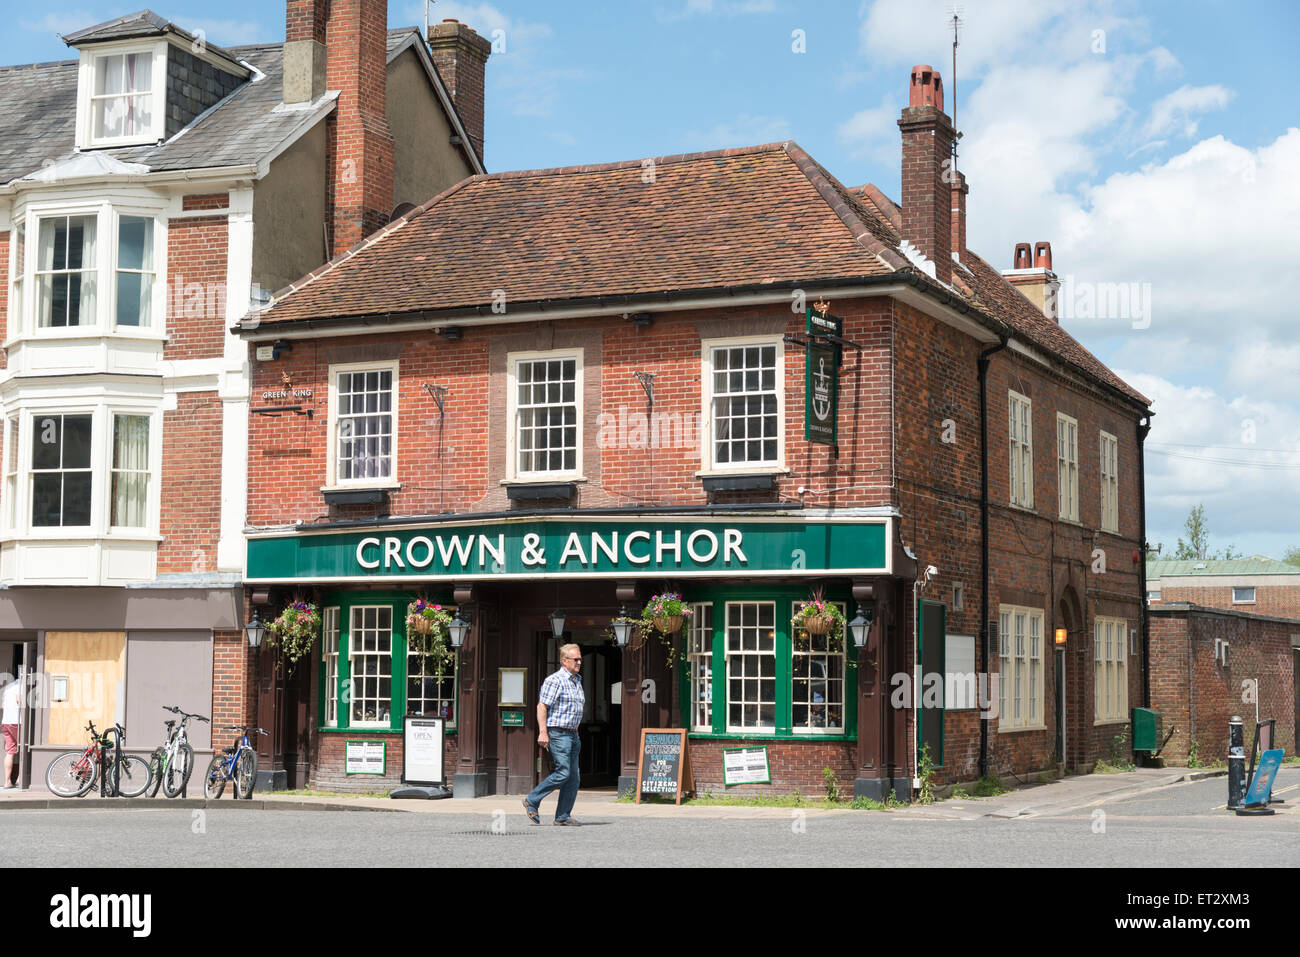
x,y
664,764
821,382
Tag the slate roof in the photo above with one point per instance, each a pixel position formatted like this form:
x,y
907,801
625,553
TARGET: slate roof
x,y
1255,565
142,23
751,217
38,107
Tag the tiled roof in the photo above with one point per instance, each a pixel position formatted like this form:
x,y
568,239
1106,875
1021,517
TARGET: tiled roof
x,y
38,107
989,289
142,23
756,216
1255,565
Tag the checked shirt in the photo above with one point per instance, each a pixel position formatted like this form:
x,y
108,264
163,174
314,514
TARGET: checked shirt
x,y
564,699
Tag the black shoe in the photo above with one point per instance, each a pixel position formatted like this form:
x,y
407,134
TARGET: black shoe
x,y
531,812
569,822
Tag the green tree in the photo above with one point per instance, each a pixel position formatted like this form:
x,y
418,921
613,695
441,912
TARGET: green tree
x,y
1292,556
1197,546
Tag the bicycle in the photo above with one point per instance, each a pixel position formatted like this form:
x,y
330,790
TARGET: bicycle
x,y
237,763
171,765
73,773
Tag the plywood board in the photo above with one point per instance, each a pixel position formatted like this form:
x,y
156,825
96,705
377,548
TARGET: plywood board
x,y
94,663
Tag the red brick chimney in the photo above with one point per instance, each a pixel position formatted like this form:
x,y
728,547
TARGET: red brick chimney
x,y
461,56
927,198
359,141
959,191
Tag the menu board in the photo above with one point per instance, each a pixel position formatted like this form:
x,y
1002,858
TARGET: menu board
x,y
663,764
363,757
422,740
745,766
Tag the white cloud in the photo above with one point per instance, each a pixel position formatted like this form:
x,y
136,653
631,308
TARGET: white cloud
x,y
230,32
705,8
1173,112
64,22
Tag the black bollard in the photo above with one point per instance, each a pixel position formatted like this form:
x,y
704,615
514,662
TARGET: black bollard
x,y
1236,765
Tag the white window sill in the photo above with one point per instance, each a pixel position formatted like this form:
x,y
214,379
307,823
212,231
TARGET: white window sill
x,y
364,487
544,479
1109,721
1029,727
757,469
1027,509
66,333
80,535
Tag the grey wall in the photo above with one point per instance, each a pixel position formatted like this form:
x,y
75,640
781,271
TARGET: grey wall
x,y
426,162
167,668
289,214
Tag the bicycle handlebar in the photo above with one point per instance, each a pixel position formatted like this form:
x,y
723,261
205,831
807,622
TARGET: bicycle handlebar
x,y
245,728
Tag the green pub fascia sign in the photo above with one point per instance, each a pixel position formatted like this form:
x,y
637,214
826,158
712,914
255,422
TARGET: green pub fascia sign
x,y
546,548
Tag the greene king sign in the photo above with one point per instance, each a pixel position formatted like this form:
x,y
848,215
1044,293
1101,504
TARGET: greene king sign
x,y
565,548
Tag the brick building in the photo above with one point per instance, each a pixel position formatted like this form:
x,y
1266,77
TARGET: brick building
x,y
574,388
151,186
1255,585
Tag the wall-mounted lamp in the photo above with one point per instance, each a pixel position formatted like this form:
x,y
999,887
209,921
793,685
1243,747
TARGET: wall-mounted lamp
x,y
450,333
1060,636
255,630
860,626
622,627
647,380
557,623
458,629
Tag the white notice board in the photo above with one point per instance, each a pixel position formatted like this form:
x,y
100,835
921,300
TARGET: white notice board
x,y
422,740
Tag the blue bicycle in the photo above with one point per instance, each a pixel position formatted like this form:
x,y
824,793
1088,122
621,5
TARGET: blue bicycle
x,y
237,763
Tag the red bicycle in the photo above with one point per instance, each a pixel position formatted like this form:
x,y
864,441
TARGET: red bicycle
x,y
73,773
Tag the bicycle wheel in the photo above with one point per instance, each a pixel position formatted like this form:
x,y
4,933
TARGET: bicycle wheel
x,y
157,761
68,776
246,774
214,781
179,771
132,776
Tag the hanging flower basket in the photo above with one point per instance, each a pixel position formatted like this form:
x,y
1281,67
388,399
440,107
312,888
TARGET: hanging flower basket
x,y
295,630
817,624
819,617
667,623
427,631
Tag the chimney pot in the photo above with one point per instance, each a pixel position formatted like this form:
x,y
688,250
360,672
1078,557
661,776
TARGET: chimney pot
x,y
1022,259
1043,255
927,88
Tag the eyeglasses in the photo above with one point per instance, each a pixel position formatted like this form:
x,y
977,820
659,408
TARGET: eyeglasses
x,y
573,658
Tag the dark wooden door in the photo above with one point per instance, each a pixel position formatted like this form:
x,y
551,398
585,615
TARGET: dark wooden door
x,y
602,723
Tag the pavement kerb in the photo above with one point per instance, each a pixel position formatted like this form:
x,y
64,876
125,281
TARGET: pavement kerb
x,y
1058,796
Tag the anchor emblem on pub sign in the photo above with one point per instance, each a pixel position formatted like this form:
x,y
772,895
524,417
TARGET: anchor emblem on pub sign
x,y
821,390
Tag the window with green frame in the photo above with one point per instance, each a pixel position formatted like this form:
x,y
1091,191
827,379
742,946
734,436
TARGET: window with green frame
x,y
368,678
749,672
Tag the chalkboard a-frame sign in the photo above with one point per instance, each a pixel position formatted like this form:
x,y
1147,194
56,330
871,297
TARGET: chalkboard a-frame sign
x,y
663,764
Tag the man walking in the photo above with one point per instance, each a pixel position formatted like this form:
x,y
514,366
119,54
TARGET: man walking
x,y
559,712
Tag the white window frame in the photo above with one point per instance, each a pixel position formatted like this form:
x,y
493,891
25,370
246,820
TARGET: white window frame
x,y
1109,483
102,414
1067,466
87,70
700,665
332,445
1016,646
828,655
727,655
1110,670
353,697
709,466
1021,449
1243,601
330,662
513,472
24,320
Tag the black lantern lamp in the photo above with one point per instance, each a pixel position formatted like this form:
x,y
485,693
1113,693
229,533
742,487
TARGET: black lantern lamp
x,y
557,623
622,627
457,629
859,627
255,630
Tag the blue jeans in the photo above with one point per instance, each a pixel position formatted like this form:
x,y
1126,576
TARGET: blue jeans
x,y
565,749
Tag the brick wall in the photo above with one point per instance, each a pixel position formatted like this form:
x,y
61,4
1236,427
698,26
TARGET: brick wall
x,y
1197,695
794,766
200,201
191,484
327,765
196,286
1275,601
232,683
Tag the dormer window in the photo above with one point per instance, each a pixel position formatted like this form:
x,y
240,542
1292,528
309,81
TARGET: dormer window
x,y
122,105
122,95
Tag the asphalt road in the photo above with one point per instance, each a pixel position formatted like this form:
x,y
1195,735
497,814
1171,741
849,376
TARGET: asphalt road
x,y
1172,826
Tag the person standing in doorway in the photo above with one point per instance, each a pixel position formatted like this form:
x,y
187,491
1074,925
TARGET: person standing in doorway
x,y
10,703
559,712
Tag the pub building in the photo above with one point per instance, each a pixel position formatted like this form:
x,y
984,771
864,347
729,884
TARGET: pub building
x,y
543,397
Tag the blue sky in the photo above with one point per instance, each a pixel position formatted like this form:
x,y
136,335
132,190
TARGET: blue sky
x,y
1155,145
